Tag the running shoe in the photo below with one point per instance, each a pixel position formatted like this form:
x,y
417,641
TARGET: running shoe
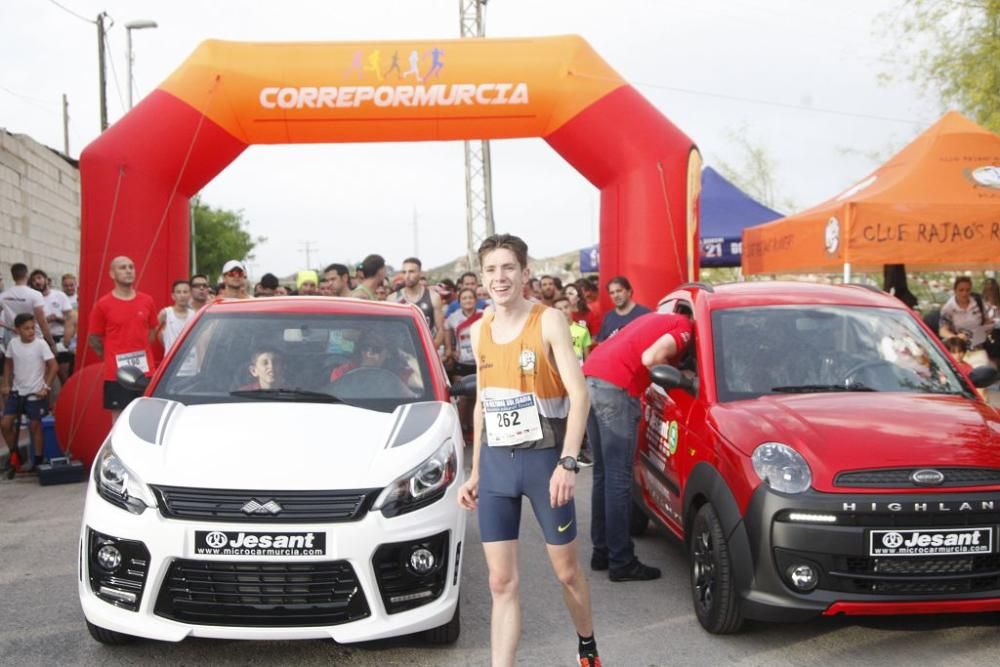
x,y
584,460
589,659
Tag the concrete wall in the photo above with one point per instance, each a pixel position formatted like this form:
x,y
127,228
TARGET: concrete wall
x,y
39,208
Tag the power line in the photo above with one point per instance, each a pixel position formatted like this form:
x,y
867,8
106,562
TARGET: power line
x,y
71,12
30,100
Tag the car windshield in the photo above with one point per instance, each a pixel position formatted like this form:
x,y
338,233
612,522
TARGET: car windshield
x,y
371,362
806,349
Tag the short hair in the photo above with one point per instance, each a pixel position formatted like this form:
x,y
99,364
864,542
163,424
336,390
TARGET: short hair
x,y
957,344
200,275
263,350
269,281
67,275
341,269
960,280
467,274
621,280
371,265
467,289
555,281
18,271
22,318
414,260
182,281
38,272
560,298
506,242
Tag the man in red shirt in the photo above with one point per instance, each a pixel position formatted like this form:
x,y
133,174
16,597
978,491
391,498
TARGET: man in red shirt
x,y
617,373
122,326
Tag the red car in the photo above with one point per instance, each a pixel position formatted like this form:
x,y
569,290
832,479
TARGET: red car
x,y
819,453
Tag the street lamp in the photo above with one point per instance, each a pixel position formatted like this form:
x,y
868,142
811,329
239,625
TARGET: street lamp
x,y
129,27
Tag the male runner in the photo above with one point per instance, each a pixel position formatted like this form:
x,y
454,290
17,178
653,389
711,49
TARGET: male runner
x,y
532,402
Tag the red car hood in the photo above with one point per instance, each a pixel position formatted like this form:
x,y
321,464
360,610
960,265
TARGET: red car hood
x,y
837,432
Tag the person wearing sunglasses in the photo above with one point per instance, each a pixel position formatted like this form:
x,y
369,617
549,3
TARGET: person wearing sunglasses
x,y
234,280
200,294
374,352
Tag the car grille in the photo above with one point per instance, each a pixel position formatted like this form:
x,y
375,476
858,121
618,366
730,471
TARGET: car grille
x,y
261,594
295,506
900,478
918,576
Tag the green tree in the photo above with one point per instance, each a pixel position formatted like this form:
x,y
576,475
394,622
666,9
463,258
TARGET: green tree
x,y
220,235
753,171
959,54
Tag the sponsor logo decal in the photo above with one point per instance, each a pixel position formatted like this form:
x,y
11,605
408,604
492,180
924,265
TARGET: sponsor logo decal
x,y
931,542
831,236
927,477
988,176
257,507
241,543
527,361
386,84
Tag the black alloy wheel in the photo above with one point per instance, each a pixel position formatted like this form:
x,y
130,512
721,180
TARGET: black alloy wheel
x,y
713,588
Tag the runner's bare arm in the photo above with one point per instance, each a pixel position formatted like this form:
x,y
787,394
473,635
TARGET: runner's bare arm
x,y
51,369
162,318
555,334
8,376
438,306
43,324
468,494
69,329
96,344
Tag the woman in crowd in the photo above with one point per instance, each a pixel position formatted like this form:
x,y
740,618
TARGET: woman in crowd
x,y
966,315
582,314
462,361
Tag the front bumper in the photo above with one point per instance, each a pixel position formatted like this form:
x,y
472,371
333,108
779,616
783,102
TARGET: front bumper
x,y
350,546
851,581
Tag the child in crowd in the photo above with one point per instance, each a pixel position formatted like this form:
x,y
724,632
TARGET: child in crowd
x,y
29,370
958,347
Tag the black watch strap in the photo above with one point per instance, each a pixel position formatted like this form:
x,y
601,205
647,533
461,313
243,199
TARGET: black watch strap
x,y
570,463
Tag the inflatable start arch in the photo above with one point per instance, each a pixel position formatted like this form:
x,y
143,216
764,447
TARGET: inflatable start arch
x,y
138,177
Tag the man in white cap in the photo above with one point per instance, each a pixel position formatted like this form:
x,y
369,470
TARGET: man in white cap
x,y
234,276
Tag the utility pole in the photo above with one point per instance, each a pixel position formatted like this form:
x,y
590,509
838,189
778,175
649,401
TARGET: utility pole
x,y
308,247
478,178
65,109
101,74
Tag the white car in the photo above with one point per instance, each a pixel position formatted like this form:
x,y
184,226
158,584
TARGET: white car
x,y
291,473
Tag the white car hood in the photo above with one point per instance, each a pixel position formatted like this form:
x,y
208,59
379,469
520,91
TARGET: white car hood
x,y
273,446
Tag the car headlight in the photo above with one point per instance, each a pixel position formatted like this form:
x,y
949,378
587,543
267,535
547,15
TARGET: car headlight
x,y
422,485
781,467
119,485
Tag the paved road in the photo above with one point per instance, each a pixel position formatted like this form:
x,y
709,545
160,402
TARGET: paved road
x,y
639,624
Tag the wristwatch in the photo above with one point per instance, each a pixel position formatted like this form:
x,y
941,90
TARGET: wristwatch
x,y
570,463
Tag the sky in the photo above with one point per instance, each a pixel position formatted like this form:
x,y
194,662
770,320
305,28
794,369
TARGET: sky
x,y
797,77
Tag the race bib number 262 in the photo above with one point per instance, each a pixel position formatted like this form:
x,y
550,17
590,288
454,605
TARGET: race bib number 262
x,y
512,421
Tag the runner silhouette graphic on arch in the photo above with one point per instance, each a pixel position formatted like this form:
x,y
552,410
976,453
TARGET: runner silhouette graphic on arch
x,y
436,64
354,69
374,65
414,66
394,65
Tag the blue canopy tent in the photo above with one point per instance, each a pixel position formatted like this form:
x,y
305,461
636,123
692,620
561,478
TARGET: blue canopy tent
x,y
725,211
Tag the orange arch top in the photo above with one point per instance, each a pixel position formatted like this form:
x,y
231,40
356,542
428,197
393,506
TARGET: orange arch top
x,y
275,93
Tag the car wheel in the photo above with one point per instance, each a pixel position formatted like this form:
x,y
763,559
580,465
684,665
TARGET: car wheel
x,y
638,521
447,633
713,585
109,637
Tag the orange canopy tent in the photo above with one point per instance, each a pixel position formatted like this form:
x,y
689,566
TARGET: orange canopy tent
x,y
934,206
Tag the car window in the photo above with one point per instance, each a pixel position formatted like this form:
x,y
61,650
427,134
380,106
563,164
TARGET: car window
x,y
372,362
797,349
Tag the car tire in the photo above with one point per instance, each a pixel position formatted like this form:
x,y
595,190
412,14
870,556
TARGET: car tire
x,y
108,637
713,586
447,633
638,520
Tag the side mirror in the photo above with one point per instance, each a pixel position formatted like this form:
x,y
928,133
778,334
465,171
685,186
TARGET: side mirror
x,y
669,378
983,376
132,378
464,387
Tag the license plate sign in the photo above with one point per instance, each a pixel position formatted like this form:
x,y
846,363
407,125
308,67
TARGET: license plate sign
x,y
242,543
930,542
